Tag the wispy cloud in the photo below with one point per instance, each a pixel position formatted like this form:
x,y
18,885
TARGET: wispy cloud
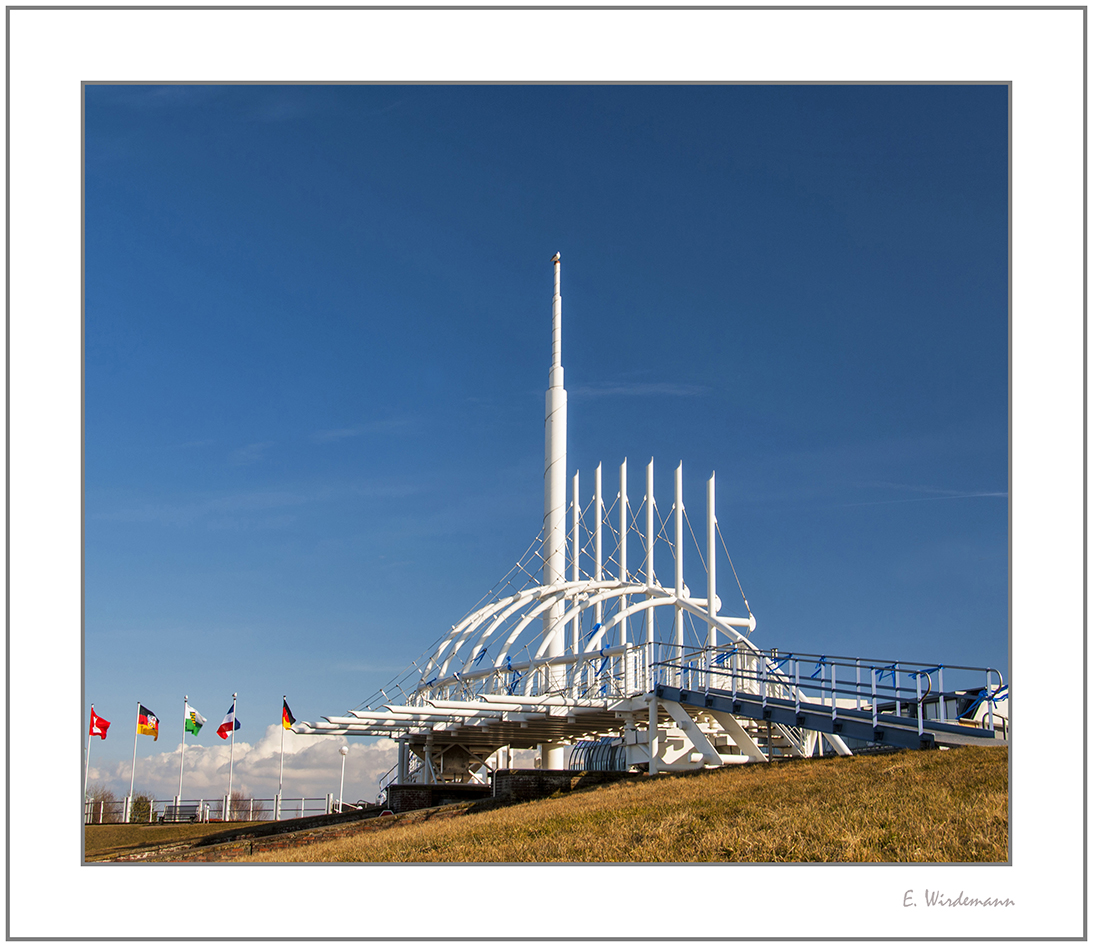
x,y
641,389
936,496
189,445
250,454
231,510
358,430
170,95
940,492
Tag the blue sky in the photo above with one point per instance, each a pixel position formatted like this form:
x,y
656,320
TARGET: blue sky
x,y
317,327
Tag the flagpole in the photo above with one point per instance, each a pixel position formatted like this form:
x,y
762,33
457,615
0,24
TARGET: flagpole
x,y
87,761
231,758
182,762
133,776
281,773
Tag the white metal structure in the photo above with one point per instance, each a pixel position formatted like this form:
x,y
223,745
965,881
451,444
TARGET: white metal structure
x,y
611,654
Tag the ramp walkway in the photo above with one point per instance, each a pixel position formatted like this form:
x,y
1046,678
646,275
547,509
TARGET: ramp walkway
x,y
885,708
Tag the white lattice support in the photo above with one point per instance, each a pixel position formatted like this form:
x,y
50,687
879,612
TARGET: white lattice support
x,y
739,735
693,732
837,744
796,747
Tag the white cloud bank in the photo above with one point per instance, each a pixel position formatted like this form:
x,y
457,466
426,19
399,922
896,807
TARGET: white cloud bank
x,y
312,768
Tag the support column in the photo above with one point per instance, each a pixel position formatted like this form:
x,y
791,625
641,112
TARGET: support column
x,y
575,636
403,762
628,665
650,533
554,483
677,658
598,576
654,747
711,563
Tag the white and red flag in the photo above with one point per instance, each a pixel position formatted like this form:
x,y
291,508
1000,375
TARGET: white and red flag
x,y
229,724
99,726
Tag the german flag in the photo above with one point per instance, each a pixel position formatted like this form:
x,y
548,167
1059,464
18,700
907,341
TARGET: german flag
x,y
147,723
287,720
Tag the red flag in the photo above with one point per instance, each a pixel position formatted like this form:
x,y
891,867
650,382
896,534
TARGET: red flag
x,y
99,726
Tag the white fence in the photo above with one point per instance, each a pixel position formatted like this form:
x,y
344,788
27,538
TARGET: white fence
x,y
141,809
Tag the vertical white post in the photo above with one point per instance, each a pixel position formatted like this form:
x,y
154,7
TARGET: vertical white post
x,y
623,523
599,537
834,697
650,576
344,751
654,747
182,761
87,760
133,774
554,499
281,770
711,564
403,761
918,700
576,574
231,757
678,658
575,539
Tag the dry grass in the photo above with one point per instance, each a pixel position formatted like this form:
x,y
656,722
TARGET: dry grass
x,y
104,841
941,806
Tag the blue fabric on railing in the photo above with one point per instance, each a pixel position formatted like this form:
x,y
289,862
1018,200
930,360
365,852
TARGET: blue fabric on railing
x,y
515,676
779,664
984,696
890,671
724,656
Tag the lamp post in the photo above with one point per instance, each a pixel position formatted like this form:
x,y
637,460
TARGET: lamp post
x,y
344,750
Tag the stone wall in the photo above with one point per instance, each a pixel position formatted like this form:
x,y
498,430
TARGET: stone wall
x,y
524,785
411,796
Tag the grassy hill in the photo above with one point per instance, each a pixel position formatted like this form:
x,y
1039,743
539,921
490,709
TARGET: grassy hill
x,y
938,806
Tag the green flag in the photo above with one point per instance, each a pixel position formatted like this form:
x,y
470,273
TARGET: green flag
x,y
194,721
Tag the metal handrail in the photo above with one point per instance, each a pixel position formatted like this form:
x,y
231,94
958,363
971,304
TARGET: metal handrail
x,y
770,673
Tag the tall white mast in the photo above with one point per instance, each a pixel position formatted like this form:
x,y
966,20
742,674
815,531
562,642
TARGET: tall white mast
x,y
554,507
